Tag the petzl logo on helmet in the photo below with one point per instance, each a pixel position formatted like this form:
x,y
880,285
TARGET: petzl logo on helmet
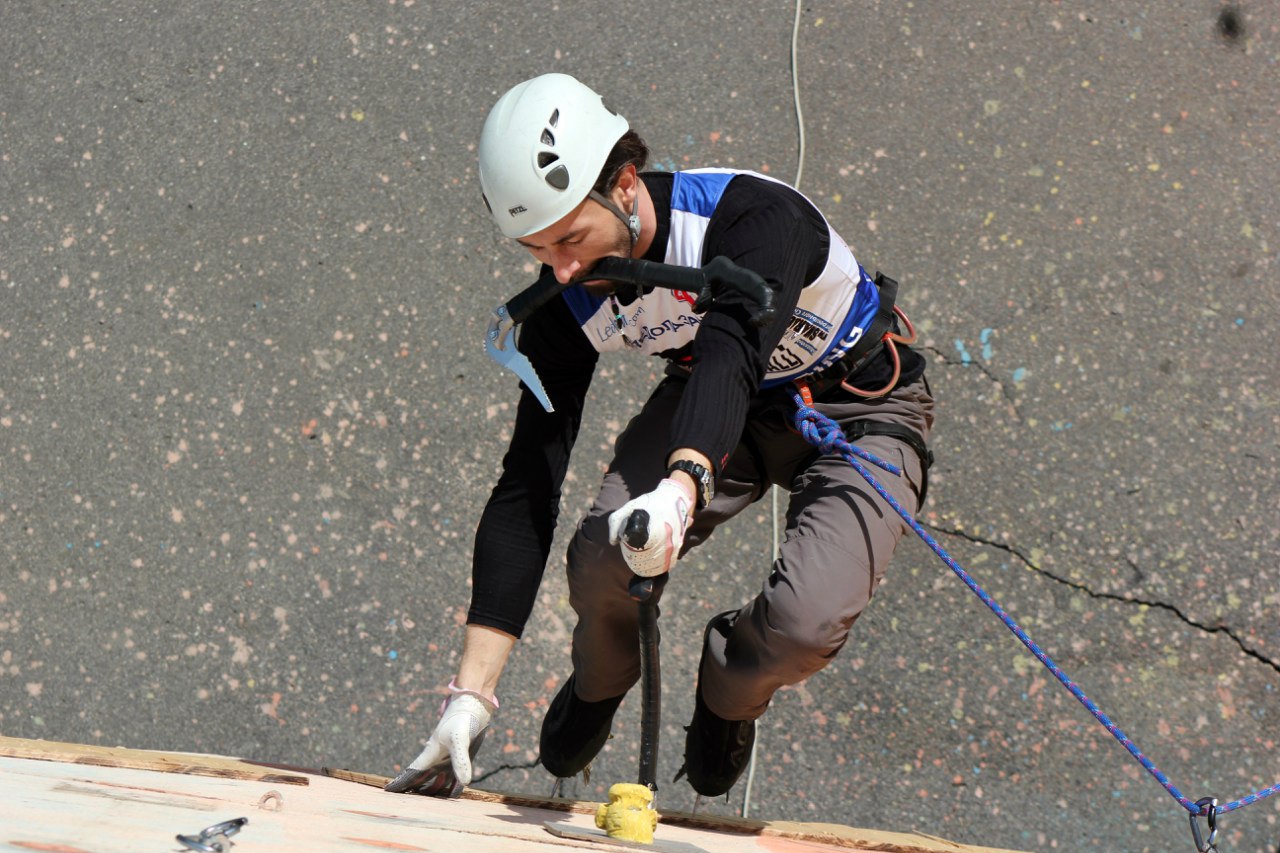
x,y
517,210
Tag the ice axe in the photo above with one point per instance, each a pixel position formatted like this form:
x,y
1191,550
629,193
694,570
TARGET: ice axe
x,y
644,275
644,592
624,818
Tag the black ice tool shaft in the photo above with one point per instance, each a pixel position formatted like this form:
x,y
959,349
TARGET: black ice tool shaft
x,y
645,275
521,306
644,592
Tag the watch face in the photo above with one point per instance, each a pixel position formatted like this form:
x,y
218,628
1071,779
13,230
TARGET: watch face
x,y
703,477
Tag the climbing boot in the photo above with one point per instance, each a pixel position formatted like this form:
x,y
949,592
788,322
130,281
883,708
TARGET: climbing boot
x,y
574,731
716,750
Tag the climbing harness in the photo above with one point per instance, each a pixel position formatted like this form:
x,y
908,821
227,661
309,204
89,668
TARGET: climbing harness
x,y
881,335
825,434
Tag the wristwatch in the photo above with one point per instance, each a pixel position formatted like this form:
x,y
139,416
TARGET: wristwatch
x,y
703,481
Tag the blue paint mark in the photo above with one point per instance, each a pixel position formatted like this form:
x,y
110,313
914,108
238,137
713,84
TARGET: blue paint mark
x,y
985,337
1239,321
393,654
965,358
1019,374
1061,426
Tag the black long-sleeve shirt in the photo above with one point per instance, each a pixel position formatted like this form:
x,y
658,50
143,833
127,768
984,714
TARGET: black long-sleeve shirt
x,y
761,225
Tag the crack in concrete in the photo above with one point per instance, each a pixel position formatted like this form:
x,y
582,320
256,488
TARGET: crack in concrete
x,y
996,380
501,768
1108,596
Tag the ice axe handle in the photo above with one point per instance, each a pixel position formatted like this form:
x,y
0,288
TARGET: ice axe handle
x,y
646,275
521,306
643,590
649,274
636,535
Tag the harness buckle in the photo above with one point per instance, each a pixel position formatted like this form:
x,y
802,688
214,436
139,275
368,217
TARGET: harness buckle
x,y
806,394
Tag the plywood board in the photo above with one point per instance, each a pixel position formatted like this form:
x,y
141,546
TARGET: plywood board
x,y
139,759
83,799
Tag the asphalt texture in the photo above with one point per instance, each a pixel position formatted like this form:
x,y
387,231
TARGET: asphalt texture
x,y
247,425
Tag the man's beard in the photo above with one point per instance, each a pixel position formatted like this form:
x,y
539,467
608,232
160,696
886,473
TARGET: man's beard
x,y
621,248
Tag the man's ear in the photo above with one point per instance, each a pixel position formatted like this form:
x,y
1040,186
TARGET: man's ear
x,y
624,189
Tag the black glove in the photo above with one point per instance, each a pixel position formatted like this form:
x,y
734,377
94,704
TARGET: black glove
x,y
723,274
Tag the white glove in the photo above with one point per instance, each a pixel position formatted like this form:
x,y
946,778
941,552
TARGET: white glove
x,y
670,508
444,766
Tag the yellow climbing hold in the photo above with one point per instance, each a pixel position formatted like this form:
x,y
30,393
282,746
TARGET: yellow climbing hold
x,y
629,814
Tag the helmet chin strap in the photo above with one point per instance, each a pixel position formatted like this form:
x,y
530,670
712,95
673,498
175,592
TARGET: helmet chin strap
x,y
631,222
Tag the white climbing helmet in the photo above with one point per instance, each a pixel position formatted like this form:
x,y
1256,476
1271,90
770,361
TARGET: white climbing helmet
x,y
541,151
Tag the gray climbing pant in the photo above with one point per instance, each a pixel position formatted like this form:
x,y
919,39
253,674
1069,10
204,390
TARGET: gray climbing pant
x,y
840,535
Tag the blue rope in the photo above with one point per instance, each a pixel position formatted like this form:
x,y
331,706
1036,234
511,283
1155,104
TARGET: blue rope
x,y
825,434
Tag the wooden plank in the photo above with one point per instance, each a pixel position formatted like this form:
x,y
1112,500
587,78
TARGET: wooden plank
x,y
51,800
834,835
138,759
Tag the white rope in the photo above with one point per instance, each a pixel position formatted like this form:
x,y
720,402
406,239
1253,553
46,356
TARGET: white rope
x,y
795,91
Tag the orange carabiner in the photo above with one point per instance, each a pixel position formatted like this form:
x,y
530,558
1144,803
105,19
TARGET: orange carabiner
x,y
897,371
911,329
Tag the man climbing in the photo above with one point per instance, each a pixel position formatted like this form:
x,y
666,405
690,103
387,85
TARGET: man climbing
x,y
561,174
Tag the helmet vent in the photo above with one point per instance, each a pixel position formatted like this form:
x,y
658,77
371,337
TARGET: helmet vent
x,y
559,177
